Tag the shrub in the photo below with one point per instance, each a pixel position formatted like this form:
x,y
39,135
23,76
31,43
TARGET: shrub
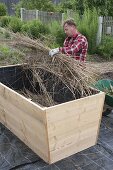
x,y
13,56
88,26
57,32
7,35
105,49
34,28
42,5
15,24
4,34
4,50
60,36
4,21
25,28
3,9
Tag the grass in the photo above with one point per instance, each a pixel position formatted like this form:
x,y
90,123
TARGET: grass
x,y
10,54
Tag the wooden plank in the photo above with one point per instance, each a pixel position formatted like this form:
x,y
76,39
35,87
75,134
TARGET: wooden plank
x,y
72,148
73,126
25,119
54,132
22,102
107,22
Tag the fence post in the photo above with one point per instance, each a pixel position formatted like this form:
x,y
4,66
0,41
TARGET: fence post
x,y
68,13
21,13
62,19
37,12
99,33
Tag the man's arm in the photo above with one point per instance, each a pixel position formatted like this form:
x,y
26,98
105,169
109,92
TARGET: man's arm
x,y
72,49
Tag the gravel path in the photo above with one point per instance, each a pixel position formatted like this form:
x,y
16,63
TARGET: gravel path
x,y
104,69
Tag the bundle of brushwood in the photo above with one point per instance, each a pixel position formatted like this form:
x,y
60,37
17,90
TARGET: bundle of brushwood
x,y
54,79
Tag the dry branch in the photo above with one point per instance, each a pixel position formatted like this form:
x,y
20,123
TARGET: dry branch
x,y
74,75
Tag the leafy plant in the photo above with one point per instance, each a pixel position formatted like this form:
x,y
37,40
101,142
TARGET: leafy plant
x,y
57,32
105,49
104,8
88,26
34,28
4,50
15,24
4,21
10,55
45,5
7,35
4,34
3,9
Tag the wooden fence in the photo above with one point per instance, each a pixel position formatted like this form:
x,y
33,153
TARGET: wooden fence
x,y
105,24
45,17
105,27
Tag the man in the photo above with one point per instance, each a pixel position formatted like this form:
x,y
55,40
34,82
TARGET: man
x,y
75,45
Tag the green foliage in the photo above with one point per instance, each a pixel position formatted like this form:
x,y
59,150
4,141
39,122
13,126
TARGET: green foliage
x,y
45,5
105,49
110,8
7,35
10,55
75,5
4,50
64,5
57,32
88,26
81,5
15,24
60,36
4,21
26,28
104,7
34,28
3,9
4,34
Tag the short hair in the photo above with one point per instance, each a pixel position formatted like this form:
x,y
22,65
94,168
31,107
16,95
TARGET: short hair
x,y
69,22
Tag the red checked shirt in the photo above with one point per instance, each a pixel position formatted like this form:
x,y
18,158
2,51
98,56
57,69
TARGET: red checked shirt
x,y
75,46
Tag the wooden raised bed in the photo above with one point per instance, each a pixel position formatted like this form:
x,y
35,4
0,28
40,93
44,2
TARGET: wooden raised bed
x,y
52,132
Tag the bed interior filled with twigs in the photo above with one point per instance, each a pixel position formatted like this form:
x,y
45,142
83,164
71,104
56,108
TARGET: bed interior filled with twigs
x,y
54,79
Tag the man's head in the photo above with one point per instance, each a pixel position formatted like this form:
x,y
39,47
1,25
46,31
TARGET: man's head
x,y
70,27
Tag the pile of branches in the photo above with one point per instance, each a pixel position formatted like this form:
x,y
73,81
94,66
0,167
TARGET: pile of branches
x,y
60,71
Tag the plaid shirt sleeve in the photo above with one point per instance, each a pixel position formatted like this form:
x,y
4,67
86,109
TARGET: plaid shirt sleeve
x,y
76,47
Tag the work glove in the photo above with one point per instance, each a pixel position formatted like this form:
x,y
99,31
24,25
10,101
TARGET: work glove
x,y
53,51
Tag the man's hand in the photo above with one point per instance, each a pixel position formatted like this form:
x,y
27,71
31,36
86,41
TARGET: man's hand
x,y
53,51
